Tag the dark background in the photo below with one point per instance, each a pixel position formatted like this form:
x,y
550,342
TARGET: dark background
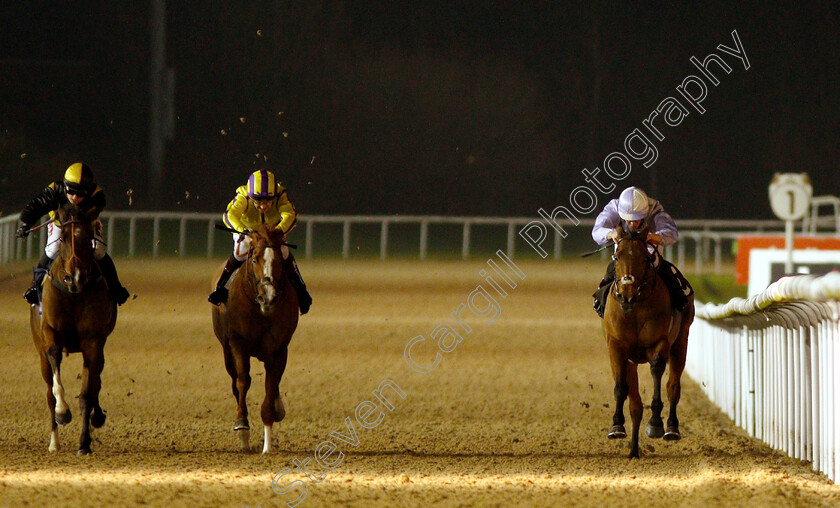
x,y
433,107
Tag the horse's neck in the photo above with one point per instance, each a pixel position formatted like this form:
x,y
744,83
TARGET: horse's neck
x,y
58,266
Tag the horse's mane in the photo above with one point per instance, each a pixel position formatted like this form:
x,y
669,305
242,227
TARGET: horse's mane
x,y
273,235
84,221
639,235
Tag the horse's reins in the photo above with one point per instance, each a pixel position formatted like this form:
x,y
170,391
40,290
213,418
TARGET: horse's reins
x,y
39,226
231,230
73,240
72,224
252,280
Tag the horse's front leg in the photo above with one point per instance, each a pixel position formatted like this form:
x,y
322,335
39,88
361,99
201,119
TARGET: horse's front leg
x,y
47,374
635,407
63,416
677,364
242,365
655,428
618,363
94,362
272,409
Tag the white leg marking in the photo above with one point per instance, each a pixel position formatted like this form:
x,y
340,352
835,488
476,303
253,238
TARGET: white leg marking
x,y
54,441
267,439
58,392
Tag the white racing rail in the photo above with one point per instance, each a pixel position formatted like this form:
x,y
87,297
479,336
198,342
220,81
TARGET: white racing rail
x,y
770,363
194,232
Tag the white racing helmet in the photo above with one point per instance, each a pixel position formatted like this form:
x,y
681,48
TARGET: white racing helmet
x,y
633,204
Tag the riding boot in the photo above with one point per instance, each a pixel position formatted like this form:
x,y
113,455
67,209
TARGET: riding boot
x,y
600,294
677,285
220,294
304,299
33,294
116,291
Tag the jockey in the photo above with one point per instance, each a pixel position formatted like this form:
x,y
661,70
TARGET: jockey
x,y
262,201
76,192
630,210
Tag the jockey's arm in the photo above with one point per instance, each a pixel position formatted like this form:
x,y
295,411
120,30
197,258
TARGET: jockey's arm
x,y
664,228
605,223
287,222
46,201
287,212
233,215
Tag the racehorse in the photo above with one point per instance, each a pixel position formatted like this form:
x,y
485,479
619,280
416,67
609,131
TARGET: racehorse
x,y
258,320
640,327
76,316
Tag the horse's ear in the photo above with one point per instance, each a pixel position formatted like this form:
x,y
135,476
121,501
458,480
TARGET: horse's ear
x,y
645,229
91,215
61,214
620,230
276,235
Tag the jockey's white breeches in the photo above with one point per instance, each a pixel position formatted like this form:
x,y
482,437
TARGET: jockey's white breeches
x,y
54,240
242,244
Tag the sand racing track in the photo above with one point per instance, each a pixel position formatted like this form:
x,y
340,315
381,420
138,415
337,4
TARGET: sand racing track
x,y
515,415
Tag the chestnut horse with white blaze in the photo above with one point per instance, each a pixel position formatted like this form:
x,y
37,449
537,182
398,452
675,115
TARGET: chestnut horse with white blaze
x,y
76,316
641,327
258,320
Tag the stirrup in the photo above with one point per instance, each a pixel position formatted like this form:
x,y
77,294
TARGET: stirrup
x,y
598,307
218,296
31,296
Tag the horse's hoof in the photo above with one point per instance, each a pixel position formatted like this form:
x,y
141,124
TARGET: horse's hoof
x,y
672,434
654,431
241,424
97,419
63,418
244,440
633,455
83,451
617,432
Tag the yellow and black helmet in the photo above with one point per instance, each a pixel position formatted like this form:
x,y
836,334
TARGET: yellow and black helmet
x,y
78,179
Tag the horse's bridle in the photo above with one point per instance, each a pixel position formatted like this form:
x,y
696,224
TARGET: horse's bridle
x,y
252,279
650,259
72,223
